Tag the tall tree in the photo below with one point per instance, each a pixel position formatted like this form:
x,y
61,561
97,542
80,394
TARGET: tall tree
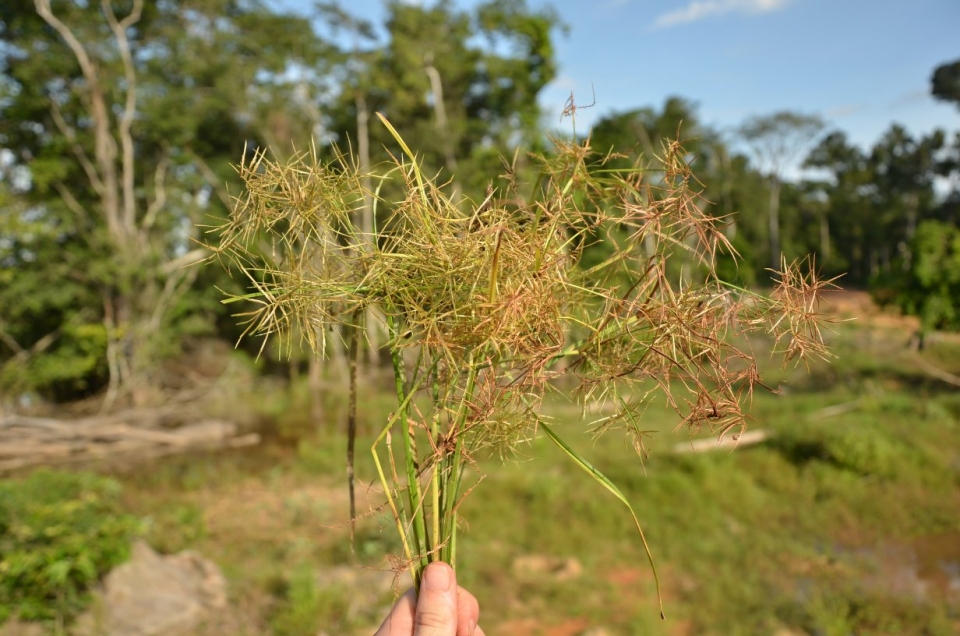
x,y
460,86
930,286
777,140
729,183
644,130
639,138
904,170
845,220
125,116
945,83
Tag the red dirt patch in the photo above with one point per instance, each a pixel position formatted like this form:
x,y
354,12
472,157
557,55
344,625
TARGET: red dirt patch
x,y
530,627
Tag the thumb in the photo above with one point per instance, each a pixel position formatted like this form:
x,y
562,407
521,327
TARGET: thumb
x,y
437,603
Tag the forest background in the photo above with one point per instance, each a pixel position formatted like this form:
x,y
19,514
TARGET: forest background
x,y
121,124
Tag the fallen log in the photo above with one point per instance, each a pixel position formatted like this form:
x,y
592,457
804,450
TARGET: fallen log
x,y
728,442
130,435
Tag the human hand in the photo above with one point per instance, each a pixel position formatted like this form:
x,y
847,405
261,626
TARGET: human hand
x,y
443,609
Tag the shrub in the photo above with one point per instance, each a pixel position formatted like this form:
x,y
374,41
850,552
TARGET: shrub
x,y
59,533
305,608
930,287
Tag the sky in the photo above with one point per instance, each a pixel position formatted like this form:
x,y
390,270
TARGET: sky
x,y
860,64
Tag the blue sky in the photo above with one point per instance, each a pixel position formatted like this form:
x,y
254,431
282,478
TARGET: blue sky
x,y
860,64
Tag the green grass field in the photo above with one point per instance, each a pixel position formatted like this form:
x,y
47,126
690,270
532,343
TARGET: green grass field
x,y
845,520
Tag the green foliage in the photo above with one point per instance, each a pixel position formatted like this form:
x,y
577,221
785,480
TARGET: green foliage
x,y
930,288
59,533
100,233
872,202
945,83
176,528
74,365
305,608
490,64
868,454
742,271
854,612
642,132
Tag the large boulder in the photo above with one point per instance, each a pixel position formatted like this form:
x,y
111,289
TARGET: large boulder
x,y
155,595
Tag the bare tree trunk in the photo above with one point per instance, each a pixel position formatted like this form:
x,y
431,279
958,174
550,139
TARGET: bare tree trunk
x,y
912,205
726,196
133,305
113,354
825,247
774,222
856,262
374,325
731,229
352,354
315,386
439,108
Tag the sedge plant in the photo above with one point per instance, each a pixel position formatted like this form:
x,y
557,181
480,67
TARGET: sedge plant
x,y
491,305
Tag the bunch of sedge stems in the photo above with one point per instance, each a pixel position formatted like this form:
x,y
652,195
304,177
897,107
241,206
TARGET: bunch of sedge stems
x,y
495,304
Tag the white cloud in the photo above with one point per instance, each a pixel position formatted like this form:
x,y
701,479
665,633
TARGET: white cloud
x,y
702,9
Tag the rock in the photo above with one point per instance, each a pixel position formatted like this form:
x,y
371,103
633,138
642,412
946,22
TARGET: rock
x,y
155,595
16,628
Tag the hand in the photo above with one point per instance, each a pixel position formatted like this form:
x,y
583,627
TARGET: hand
x,y
443,609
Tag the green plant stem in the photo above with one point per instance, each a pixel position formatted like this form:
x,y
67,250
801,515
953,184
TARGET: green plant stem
x,y
414,493
435,486
453,475
397,515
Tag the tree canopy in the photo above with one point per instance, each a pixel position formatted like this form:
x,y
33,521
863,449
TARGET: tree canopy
x,y
946,82
121,122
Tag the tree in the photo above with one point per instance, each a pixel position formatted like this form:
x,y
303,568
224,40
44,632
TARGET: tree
x,y
126,117
776,141
644,130
460,86
904,170
726,177
640,138
930,287
945,83
845,221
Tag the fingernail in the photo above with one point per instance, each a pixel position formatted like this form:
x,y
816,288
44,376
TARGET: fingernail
x,y
438,576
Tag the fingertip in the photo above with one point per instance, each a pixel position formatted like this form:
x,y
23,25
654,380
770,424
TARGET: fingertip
x,y
468,613
439,576
436,612
400,619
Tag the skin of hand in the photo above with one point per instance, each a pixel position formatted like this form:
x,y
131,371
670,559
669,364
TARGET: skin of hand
x,y
443,609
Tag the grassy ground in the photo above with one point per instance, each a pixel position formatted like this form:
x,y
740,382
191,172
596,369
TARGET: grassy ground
x,y
846,520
